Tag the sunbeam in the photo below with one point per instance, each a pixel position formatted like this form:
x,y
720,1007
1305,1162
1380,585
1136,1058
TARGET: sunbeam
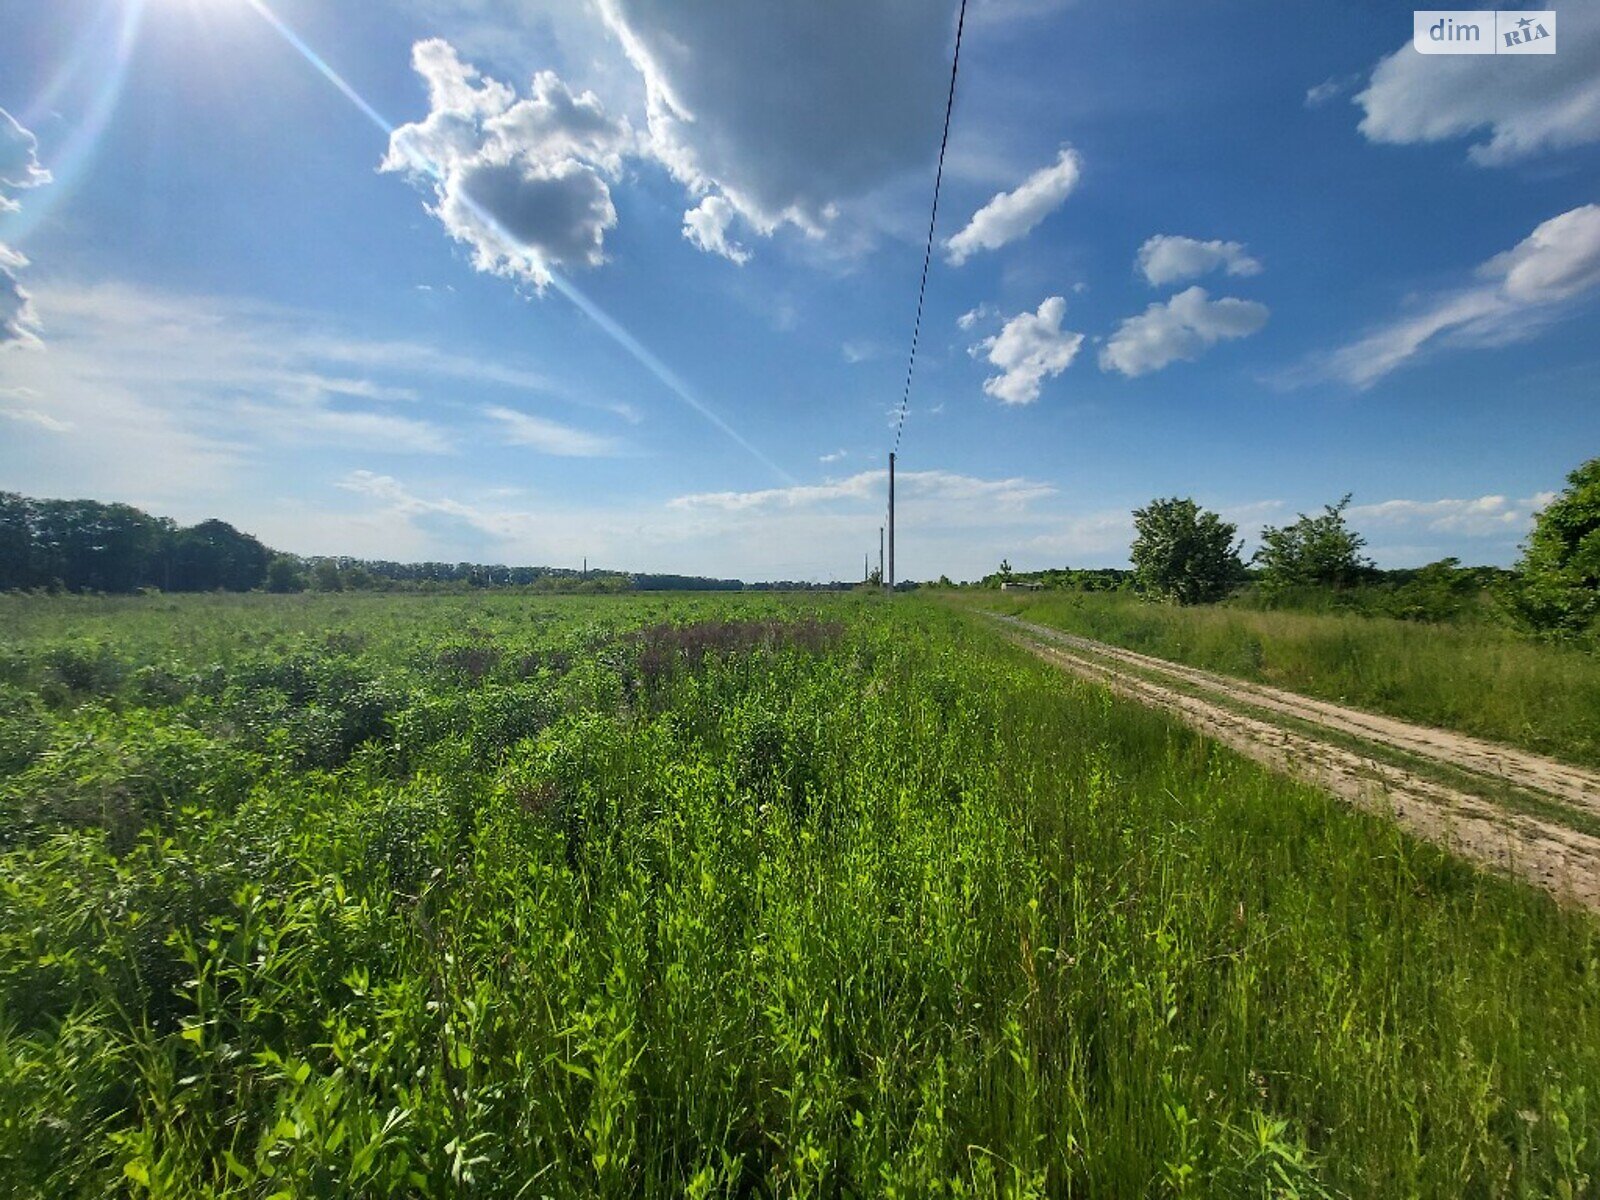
x,y
603,320
118,23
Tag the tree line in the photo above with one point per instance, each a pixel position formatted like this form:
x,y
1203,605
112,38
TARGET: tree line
x,y
1185,554
83,545
89,546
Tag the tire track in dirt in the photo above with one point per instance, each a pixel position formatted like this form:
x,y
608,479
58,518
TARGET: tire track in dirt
x,y
1562,860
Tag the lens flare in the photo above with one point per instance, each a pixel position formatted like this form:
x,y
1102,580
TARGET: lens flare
x,y
102,52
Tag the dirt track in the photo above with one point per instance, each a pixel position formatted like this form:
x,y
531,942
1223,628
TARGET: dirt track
x,y
1339,748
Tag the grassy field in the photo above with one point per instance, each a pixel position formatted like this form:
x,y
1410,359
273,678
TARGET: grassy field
x,y
490,896
1473,677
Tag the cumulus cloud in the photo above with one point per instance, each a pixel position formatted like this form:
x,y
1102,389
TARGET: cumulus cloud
x,y
521,182
1523,106
786,111
1011,215
1520,291
1182,328
549,437
1030,348
1166,258
706,225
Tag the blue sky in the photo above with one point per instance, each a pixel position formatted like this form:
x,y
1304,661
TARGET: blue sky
x,y
634,279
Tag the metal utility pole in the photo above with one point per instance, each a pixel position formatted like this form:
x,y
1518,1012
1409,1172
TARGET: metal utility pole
x,y
891,521
880,555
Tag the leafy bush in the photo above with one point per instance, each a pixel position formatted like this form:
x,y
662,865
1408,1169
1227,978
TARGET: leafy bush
x,y
83,668
1558,594
1314,551
24,728
1183,553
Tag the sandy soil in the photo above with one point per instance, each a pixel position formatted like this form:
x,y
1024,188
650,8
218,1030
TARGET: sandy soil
x,y
1559,859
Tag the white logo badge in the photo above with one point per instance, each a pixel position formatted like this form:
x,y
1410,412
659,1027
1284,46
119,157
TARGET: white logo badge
x,y
1484,31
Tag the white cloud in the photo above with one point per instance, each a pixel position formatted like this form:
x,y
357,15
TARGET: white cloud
x,y
1521,290
1101,535
951,522
1330,90
1182,328
310,421
550,437
19,170
872,485
1030,348
1526,106
706,225
19,161
19,322
520,182
32,416
972,316
855,351
1166,258
787,111
1011,215
1484,516
834,456
170,398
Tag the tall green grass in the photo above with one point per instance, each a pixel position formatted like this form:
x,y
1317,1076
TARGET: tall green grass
x,y
1474,677
830,899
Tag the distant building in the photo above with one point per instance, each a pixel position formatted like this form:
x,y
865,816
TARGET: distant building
x,y
1018,586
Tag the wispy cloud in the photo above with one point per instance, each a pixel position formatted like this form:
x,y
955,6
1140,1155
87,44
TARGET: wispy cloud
x,y
873,485
1482,516
166,395
1519,292
1322,94
550,437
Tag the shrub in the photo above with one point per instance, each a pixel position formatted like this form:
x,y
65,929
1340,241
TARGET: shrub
x,y
1183,553
1558,594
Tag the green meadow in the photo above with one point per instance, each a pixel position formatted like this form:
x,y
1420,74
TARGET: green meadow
x,y
1473,676
491,895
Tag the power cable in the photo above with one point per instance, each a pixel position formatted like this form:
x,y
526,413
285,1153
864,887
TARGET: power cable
x,y
933,219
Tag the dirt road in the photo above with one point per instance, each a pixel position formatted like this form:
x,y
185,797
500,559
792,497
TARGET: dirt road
x,y
1508,809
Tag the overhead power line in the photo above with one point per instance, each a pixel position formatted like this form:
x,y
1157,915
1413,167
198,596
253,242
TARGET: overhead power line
x,y
933,220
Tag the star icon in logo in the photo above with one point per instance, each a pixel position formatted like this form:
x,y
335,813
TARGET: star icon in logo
x,y
1524,23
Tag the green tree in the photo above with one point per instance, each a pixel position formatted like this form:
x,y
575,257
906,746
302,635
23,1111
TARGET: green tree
x,y
1314,551
213,555
16,542
1183,553
1557,592
325,576
284,575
